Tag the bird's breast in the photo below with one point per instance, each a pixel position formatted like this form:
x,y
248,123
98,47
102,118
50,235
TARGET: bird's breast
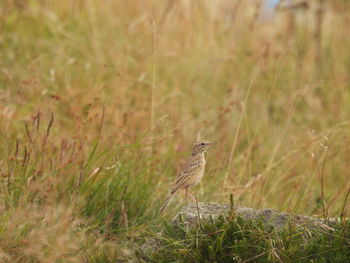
x,y
199,175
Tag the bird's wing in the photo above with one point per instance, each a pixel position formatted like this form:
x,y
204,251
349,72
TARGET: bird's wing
x,y
189,168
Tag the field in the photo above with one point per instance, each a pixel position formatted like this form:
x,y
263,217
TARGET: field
x,y
100,99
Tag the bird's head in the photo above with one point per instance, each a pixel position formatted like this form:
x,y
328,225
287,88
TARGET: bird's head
x,y
201,146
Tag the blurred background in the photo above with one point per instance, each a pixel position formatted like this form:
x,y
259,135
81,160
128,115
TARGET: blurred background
x,y
100,99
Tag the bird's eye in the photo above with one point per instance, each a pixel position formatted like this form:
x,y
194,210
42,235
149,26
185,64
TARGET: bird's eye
x,y
202,143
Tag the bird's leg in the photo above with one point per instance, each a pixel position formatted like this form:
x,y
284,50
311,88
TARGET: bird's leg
x,y
186,189
194,200
189,196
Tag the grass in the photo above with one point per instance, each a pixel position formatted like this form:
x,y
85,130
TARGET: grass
x,y
99,101
235,239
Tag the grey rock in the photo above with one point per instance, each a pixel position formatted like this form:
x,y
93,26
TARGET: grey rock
x,y
269,217
192,214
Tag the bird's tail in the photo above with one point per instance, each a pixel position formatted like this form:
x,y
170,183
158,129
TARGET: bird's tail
x,y
166,203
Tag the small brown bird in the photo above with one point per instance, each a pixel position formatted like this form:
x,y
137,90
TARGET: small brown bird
x,y
190,172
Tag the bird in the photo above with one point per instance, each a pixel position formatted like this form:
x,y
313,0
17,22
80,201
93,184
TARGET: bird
x,y
190,172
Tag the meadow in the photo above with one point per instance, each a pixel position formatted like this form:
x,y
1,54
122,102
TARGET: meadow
x,y
100,99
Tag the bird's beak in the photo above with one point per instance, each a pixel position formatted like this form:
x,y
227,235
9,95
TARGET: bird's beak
x,y
212,143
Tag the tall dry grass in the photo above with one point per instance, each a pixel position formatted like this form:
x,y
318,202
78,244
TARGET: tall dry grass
x,y
99,100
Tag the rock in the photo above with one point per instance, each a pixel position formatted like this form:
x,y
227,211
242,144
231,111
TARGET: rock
x,y
269,217
188,217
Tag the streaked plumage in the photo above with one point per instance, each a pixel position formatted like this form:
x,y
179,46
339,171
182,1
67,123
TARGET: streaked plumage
x,y
190,172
